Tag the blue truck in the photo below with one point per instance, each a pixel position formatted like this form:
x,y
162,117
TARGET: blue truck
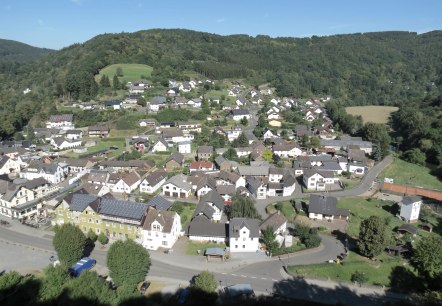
x,y
85,263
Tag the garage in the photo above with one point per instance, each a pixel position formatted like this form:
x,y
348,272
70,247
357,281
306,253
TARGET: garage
x,y
182,195
167,193
175,194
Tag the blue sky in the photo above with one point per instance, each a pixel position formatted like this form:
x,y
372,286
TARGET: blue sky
x,y
60,23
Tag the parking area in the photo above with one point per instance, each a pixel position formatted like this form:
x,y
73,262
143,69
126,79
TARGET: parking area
x,y
388,197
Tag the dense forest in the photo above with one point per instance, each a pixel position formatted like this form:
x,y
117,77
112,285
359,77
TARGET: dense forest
x,y
385,68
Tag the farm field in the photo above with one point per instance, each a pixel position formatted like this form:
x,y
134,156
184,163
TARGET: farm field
x,y
131,72
410,174
372,113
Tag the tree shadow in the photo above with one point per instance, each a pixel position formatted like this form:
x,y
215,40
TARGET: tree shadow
x,y
88,248
345,239
403,280
392,209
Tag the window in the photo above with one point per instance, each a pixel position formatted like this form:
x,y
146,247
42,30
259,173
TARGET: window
x,y
60,212
114,234
244,239
236,246
90,221
164,243
97,221
98,230
164,235
243,246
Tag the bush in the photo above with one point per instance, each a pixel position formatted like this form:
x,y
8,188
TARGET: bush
x,y
312,241
102,238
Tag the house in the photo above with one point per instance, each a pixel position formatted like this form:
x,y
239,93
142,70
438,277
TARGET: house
x,y
189,126
127,183
201,166
323,207
229,178
115,218
410,208
222,163
257,187
101,131
139,144
132,98
184,147
227,192
52,172
202,184
8,165
147,123
112,104
243,235
259,171
174,162
153,181
64,122
61,143
95,189
233,133
160,146
269,135
287,150
160,203
177,187
238,114
343,143
205,152
277,221
136,89
20,201
318,180
156,103
77,165
211,205
129,165
243,151
160,229
357,162
97,177
74,134
203,230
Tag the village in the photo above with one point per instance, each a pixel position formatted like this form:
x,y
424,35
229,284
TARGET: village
x,y
59,181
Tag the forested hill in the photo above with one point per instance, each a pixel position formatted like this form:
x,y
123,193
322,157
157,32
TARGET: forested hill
x,y
388,68
13,52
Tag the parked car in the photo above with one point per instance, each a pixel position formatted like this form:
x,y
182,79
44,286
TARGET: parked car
x,y
144,286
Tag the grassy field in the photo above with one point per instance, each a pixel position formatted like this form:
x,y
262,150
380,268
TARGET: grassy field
x,y
401,172
372,113
193,247
286,209
131,72
377,273
361,209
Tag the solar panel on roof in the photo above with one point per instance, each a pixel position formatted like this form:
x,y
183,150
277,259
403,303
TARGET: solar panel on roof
x,y
79,202
123,209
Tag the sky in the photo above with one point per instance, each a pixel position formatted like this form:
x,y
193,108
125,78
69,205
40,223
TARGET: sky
x,y
56,24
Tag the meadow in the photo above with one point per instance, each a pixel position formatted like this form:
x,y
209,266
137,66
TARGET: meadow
x,y
131,72
372,113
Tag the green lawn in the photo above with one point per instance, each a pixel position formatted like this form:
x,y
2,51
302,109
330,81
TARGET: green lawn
x,y
103,144
185,210
193,247
361,208
286,209
131,72
407,173
377,273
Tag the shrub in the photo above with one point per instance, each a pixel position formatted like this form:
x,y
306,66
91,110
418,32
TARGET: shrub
x,y
102,238
91,235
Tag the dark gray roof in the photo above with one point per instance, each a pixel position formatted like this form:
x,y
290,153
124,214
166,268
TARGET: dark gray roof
x,y
156,177
202,226
160,203
60,118
3,160
35,183
215,198
158,100
407,228
123,209
219,160
322,205
79,202
205,149
236,224
240,112
407,200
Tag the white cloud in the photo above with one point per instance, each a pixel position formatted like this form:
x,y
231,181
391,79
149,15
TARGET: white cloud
x,y
220,20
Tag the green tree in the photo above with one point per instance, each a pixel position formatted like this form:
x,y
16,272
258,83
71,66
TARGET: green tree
x,y
372,236
427,257
141,101
128,263
69,243
230,154
267,155
414,156
104,81
241,141
116,83
91,235
206,282
244,121
102,239
243,207
90,287
315,142
359,277
378,134
119,72
54,279
268,237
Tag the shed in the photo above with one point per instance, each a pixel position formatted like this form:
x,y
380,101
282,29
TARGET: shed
x,y
215,252
407,228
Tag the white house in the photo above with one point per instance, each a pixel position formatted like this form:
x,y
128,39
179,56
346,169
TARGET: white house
x,y
160,146
243,235
8,165
161,229
64,122
277,221
269,135
184,147
315,180
211,205
153,181
74,134
287,150
410,208
61,143
238,114
177,187
127,183
53,172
